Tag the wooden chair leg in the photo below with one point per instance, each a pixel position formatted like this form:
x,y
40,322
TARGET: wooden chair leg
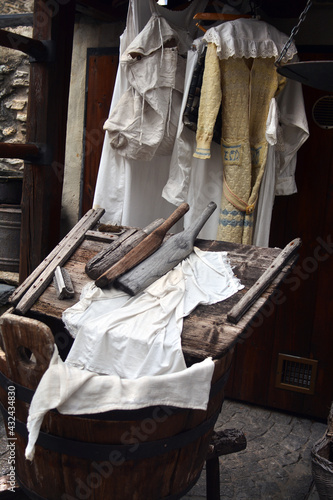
x,y
223,443
213,479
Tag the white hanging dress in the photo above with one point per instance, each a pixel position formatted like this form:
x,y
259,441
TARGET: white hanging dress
x,y
130,190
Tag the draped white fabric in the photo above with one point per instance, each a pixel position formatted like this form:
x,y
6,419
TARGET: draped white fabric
x,y
130,191
127,351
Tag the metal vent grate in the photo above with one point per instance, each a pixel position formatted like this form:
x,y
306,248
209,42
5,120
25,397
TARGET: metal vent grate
x,y
322,112
296,374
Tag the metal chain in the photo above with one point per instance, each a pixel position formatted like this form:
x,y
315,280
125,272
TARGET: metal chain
x,y
294,32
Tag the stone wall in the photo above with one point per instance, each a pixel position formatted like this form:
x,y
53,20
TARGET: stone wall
x,y
16,6
14,85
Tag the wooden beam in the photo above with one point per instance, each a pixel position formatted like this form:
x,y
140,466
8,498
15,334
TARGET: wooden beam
x,y
32,47
66,245
263,282
46,124
13,20
22,151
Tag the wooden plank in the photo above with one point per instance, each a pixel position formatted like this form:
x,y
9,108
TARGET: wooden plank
x,y
263,282
32,47
23,151
95,264
65,250
117,250
14,20
173,251
79,230
100,236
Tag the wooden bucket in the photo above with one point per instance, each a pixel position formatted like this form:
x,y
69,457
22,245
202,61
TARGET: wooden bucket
x,y
149,454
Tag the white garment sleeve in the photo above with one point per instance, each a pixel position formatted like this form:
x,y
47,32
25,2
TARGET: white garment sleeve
x,y
265,203
295,132
286,131
176,189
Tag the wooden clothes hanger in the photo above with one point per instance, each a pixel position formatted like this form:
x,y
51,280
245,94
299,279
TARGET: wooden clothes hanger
x,y
218,16
214,16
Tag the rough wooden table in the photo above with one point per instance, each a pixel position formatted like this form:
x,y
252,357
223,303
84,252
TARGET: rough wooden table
x,y
206,331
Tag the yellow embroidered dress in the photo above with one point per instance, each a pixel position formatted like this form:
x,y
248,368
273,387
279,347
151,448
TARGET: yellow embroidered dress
x,y
240,72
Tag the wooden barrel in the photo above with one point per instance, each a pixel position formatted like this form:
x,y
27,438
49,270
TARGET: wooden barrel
x,y
149,454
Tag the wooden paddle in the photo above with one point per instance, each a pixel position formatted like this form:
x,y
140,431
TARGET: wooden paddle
x,y
140,252
106,258
173,251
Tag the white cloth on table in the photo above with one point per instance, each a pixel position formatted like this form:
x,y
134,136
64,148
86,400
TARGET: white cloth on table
x,y
131,337
127,351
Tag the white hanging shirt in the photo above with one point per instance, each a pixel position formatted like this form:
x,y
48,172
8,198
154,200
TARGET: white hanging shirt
x,y
144,122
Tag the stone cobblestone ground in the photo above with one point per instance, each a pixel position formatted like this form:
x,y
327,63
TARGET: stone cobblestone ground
x,y
276,464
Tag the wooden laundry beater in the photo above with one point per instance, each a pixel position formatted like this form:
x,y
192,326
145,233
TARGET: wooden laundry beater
x,y
173,251
141,251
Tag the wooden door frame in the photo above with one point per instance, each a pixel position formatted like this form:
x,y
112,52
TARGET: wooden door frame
x,y
93,138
